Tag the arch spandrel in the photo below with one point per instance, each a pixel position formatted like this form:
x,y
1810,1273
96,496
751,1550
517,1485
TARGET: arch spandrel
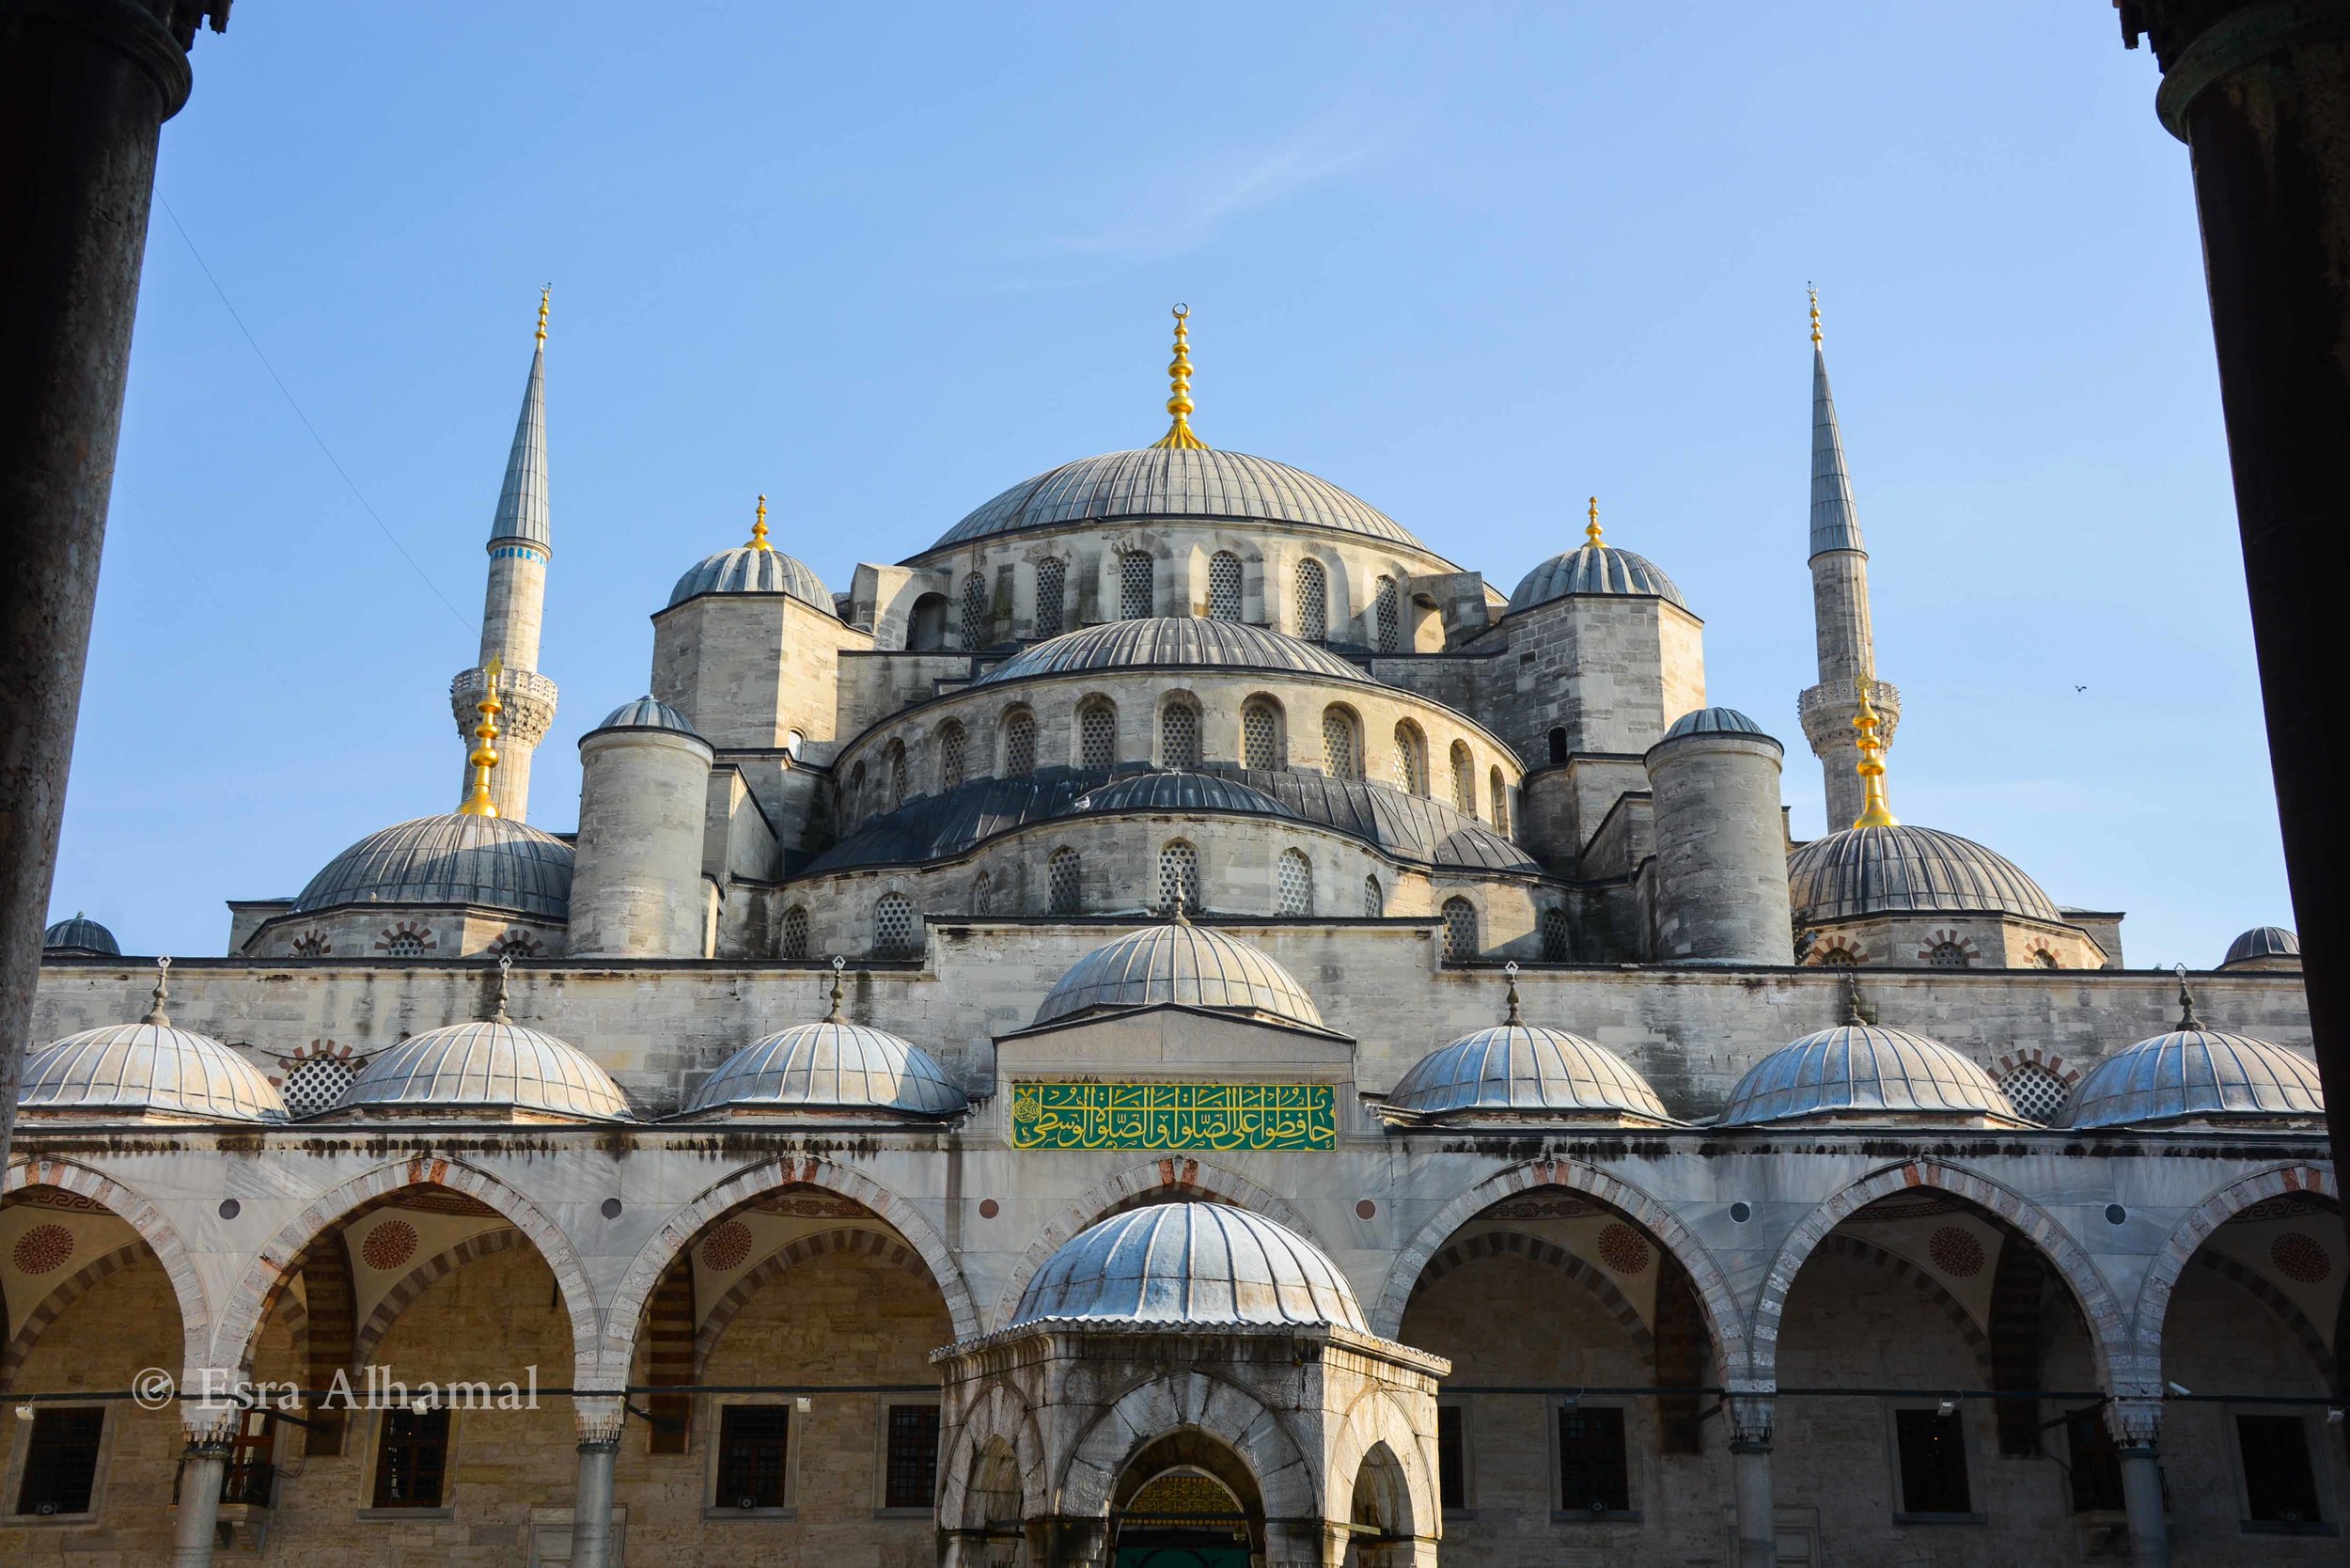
x,y
162,1238
2140,1362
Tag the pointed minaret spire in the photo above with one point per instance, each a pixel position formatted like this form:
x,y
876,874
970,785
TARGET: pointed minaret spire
x,y
521,542
1179,403
1835,526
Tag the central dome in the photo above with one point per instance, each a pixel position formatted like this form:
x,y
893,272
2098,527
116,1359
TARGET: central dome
x,y
1189,1263
1182,640
1872,870
1183,966
452,858
1176,482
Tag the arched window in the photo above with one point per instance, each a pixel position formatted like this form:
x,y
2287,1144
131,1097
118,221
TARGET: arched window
x,y
855,811
1313,602
1179,877
1411,759
1179,736
1223,586
1555,947
795,944
950,755
1051,578
926,632
1374,897
1296,883
895,756
1097,734
2043,958
1018,743
1558,745
1463,779
1459,931
896,933
1387,614
1341,754
794,743
975,616
1946,955
316,1085
2036,1094
1498,789
1838,956
983,895
1134,586
1260,737
1064,884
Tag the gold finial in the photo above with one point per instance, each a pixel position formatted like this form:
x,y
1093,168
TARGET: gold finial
x,y
1815,314
543,295
1591,529
1179,433
1875,809
758,528
484,756
157,1016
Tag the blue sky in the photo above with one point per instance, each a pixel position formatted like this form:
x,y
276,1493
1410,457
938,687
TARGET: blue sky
x,y
1473,263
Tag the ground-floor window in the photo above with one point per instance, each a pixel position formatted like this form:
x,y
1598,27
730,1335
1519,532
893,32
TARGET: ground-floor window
x,y
753,1443
60,1460
1594,1473
2280,1482
412,1459
910,1467
1931,1447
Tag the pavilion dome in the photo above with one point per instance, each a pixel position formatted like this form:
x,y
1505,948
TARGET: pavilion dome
x,y
753,568
1523,1069
646,712
82,937
830,1066
2194,1072
488,1064
1183,1264
2261,942
1714,721
495,862
1905,869
1594,569
1861,1070
1183,964
148,1067
1171,641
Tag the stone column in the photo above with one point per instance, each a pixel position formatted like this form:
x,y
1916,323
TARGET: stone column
x,y
599,1418
2136,1424
1750,1418
203,1466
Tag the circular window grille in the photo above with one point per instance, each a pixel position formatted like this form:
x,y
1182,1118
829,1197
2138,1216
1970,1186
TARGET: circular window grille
x,y
1179,878
316,1085
983,895
1622,1248
950,745
1946,955
1956,1252
1224,585
1411,768
975,611
893,924
1554,940
1019,745
1298,884
727,1247
1388,613
1179,736
1097,737
795,931
1313,603
1134,586
1260,747
2037,1094
1066,887
43,1250
1375,900
390,1245
2301,1257
1337,746
1459,931
405,944
1464,781
1050,576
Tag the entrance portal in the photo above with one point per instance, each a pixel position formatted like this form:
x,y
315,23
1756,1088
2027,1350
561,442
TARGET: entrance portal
x,y
1182,1518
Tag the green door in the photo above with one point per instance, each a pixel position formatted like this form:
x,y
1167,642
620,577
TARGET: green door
x,y
1221,1555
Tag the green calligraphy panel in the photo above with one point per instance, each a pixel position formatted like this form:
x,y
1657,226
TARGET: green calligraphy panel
x,y
1173,1116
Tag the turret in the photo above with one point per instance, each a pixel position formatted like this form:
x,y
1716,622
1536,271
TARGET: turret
x,y
521,540
644,792
1721,889
1840,609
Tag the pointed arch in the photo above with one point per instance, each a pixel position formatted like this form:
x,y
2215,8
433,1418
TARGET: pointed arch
x,y
412,1285
1932,1290
195,1314
1534,1249
1002,1417
1259,1435
52,1307
847,1239
1377,1420
2143,1357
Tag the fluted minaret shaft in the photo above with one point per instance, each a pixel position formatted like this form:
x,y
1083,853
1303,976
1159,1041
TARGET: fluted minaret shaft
x,y
521,542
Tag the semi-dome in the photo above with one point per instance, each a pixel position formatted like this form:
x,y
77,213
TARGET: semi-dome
x,y
830,1066
491,1064
148,1068
1183,964
1905,869
1171,640
1860,1071
2194,1072
1181,1263
646,712
495,862
2260,943
1714,721
1598,569
1176,482
1172,789
82,937
753,568
1520,1069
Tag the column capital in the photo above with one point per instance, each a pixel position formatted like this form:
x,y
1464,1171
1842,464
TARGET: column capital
x,y
2134,1421
598,1419
1752,1416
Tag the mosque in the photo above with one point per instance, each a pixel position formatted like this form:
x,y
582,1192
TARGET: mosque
x,y
1174,1028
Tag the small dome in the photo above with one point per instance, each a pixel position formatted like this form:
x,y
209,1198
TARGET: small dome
x,y
148,1067
2195,1073
493,1064
82,937
1181,641
1716,721
1872,870
1170,790
749,569
1176,482
1859,1070
1181,964
1600,568
1206,1263
492,861
830,1066
2258,943
646,712
1523,1069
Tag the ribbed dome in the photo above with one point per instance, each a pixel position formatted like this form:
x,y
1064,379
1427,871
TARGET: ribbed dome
x,y
830,1066
1872,870
646,712
1860,1070
1181,964
2257,942
494,1064
1523,1069
748,570
1714,721
82,936
1173,791
494,861
1594,569
1176,482
148,1067
1179,640
1206,1263
2196,1072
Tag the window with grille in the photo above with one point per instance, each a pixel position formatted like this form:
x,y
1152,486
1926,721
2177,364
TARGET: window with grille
x,y
1452,1458
1260,738
1459,931
2043,958
311,944
1387,611
893,924
896,755
1838,956
1018,743
911,1469
1374,897
1179,736
411,1459
754,1440
1179,878
975,616
2279,1483
316,1085
1594,1472
1051,580
1933,1453
1946,955
795,931
60,1460
405,944
1463,779
1338,758
1555,944
983,895
1313,602
1497,790
1097,736
1296,875
1134,586
1065,882
951,751
1223,586
2036,1094
1411,761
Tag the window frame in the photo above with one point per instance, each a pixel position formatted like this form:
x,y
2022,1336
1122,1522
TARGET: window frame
x,y
713,1510
371,1477
20,1459
1555,1409
1902,1512
882,1406
2328,1522
1463,1409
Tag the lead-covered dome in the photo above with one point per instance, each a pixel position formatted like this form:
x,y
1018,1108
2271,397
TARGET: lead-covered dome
x,y
148,1068
1176,482
491,1065
1905,869
1519,1069
1173,790
1161,641
1181,965
646,712
1600,568
1714,721
82,937
2262,943
830,1066
1184,1263
2194,1072
495,862
1861,1071
753,568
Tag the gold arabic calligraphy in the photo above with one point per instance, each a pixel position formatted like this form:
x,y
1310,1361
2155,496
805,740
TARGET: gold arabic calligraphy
x,y
1173,1116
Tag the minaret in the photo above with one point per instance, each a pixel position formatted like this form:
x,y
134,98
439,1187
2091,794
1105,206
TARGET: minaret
x,y
1840,614
519,543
